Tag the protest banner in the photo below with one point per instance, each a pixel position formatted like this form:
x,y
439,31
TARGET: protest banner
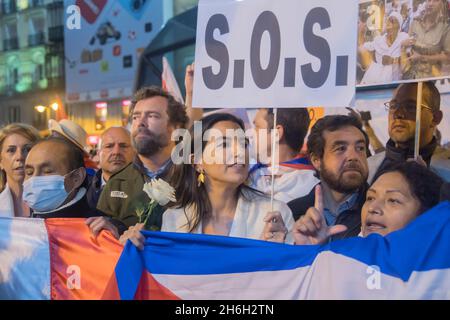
x,y
275,53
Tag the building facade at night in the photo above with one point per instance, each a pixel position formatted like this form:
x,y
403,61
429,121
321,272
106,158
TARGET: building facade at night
x,y
31,61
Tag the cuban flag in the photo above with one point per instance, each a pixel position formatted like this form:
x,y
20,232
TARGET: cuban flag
x,y
54,259
412,263
59,259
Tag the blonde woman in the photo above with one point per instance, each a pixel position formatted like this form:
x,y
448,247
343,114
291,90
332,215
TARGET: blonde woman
x,y
15,141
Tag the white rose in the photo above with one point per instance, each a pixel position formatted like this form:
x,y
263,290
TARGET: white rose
x,y
160,191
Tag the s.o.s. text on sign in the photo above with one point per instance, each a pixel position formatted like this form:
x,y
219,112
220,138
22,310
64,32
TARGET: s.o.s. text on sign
x,y
265,53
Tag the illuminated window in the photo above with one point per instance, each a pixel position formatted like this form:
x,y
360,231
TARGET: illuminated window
x,y
125,112
101,113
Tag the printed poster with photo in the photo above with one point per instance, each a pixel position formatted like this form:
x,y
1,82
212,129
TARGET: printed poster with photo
x,y
403,41
103,54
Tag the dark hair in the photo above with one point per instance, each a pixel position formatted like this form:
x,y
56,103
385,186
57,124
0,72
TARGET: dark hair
x,y
424,184
175,110
184,176
316,141
445,191
430,93
295,122
74,156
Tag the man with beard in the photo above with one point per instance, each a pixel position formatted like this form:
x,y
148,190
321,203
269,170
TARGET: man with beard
x,y
402,127
155,114
337,146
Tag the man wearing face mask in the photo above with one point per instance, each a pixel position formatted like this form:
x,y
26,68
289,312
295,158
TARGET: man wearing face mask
x,y
55,181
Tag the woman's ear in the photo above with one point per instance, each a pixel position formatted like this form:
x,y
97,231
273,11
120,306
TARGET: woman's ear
x,y
198,168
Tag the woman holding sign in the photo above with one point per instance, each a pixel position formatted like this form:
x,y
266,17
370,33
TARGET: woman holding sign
x,y
212,194
386,49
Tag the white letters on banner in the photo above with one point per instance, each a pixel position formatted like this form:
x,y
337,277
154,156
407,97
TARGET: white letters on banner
x,y
265,53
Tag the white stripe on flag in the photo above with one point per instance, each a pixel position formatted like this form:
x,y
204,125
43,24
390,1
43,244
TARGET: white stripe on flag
x,y
24,259
331,276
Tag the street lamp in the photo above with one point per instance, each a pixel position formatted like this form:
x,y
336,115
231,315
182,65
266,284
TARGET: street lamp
x,y
40,109
54,106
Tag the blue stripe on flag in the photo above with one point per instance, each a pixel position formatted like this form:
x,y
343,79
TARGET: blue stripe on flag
x,y
423,245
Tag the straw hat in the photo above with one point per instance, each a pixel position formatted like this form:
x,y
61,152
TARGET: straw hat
x,y
71,131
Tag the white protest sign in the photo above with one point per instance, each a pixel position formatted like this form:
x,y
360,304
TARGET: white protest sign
x,y
265,53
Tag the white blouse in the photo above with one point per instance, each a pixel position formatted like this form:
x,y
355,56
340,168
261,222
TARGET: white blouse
x,y
6,203
248,219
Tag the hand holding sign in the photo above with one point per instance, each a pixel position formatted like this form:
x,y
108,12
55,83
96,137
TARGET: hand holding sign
x,y
274,229
312,227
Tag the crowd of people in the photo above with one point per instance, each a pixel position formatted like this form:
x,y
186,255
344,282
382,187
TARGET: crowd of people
x,y
331,189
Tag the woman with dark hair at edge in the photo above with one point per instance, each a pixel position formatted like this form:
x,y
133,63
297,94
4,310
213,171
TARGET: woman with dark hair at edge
x,y
212,196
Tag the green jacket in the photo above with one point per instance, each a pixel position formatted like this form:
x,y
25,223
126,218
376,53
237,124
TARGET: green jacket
x,y
123,196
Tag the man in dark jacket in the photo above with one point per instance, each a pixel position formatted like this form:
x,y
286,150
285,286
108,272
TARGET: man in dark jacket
x,y
155,115
402,127
55,181
337,146
115,153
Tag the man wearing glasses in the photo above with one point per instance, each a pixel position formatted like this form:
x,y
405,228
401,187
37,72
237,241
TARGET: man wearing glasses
x,y
402,126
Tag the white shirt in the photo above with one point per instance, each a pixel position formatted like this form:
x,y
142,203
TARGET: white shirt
x,y
6,203
248,220
381,47
289,184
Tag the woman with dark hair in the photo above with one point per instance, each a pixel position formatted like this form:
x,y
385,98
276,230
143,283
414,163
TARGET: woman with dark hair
x,y
212,195
397,196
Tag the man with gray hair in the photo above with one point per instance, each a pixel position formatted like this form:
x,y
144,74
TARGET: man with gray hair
x,y
115,153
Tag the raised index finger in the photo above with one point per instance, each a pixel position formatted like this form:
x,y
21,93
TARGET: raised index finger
x,y
318,201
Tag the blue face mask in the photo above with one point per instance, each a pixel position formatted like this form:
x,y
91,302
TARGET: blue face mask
x,y
44,193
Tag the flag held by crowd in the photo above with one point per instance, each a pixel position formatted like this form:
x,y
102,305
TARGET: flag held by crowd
x,y
54,259
408,264
59,259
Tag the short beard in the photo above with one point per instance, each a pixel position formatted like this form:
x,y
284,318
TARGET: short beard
x,y
149,145
338,184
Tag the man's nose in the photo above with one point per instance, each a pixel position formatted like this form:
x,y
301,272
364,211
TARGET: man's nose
x,y
352,154
116,149
141,121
